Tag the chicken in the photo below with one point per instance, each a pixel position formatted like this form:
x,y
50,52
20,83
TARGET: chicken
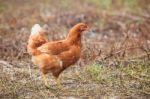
x,y
55,56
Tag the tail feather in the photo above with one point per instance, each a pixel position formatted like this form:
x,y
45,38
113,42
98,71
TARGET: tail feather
x,y
36,41
36,29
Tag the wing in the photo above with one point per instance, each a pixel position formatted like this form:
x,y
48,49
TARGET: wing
x,y
70,56
55,47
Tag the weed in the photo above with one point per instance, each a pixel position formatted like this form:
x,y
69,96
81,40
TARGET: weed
x,y
133,77
94,70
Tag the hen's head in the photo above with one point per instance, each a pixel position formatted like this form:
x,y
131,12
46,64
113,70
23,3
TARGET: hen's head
x,y
81,27
75,33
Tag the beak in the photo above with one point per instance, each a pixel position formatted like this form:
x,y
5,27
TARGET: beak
x,y
87,29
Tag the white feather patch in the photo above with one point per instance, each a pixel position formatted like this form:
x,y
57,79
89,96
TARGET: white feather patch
x,y
61,63
36,29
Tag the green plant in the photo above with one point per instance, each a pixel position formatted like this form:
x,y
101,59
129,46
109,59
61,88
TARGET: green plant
x,y
131,77
2,7
94,70
101,3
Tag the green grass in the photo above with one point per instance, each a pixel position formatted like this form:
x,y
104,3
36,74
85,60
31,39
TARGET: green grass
x,y
101,3
130,3
65,3
110,4
132,78
3,7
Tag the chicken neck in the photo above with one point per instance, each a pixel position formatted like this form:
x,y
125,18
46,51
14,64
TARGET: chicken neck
x,y
74,37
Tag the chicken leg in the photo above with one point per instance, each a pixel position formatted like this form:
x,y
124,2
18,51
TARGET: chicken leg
x,y
57,79
45,80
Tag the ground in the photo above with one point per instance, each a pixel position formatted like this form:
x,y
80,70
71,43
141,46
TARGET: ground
x,y
115,54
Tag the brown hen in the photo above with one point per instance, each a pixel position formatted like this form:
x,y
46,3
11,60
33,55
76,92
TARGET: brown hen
x,y
55,56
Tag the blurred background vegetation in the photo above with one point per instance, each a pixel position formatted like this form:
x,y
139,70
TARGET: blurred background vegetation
x,y
102,4
129,4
